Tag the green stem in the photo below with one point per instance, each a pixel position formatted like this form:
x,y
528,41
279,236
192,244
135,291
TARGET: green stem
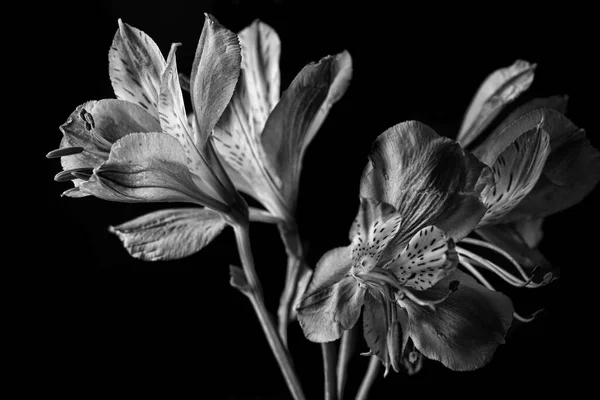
x,y
329,351
347,344
369,379
254,293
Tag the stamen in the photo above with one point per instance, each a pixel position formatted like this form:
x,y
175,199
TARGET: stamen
x,y
75,173
404,292
65,151
507,276
499,251
476,273
184,82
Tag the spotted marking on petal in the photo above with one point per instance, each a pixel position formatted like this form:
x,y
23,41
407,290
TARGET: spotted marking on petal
x,y
172,114
429,256
515,171
375,225
135,67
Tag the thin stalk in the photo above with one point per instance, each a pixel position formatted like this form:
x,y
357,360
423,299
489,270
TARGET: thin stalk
x,y
347,344
293,248
369,379
254,293
329,351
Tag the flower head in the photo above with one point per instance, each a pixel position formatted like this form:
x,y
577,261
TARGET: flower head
x,y
262,137
419,194
542,163
141,147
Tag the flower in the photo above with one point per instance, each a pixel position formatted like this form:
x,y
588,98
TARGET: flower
x,y
528,185
420,193
261,137
140,147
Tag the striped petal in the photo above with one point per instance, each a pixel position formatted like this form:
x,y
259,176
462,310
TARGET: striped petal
x,y
499,89
464,330
333,299
516,170
215,73
261,49
430,180
135,67
374,227
169,234
571,171
427,258
238,143
148,167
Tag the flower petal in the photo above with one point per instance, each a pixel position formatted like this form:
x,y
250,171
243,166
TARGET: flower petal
x,y
147,167
333,299
238,144
558,103
519,239
464,330
92,129
498,89
570,173
430,180
299,115
215,73
374,227
135,66
516,170
261,49
427,258
169,234
385,342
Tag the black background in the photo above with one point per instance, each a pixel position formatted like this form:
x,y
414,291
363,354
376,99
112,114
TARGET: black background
x,y
105,322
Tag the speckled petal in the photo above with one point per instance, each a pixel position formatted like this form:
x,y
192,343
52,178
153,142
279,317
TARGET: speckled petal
x,y
374,227
135,67
430,180
516,171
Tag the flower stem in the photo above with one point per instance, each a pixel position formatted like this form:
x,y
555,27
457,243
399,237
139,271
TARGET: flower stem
x,y
293,248
346,347
254,293
369,379
329,351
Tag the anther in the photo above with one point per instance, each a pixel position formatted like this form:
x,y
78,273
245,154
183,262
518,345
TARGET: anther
x,y
75,173
65,151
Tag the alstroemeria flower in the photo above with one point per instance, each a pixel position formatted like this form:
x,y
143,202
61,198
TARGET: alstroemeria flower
x,y
419,194
140,147
261,137
535,175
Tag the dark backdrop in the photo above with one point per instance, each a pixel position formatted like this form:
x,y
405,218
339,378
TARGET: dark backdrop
x,y
107,322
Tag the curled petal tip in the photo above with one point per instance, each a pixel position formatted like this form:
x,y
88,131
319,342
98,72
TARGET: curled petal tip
x,y
368,353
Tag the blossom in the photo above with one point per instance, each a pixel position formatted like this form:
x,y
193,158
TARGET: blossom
x,y
528,185
140,146
263,137
420,193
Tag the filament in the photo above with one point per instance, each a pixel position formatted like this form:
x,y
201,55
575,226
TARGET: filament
x,y
499,251
485,283
507,276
